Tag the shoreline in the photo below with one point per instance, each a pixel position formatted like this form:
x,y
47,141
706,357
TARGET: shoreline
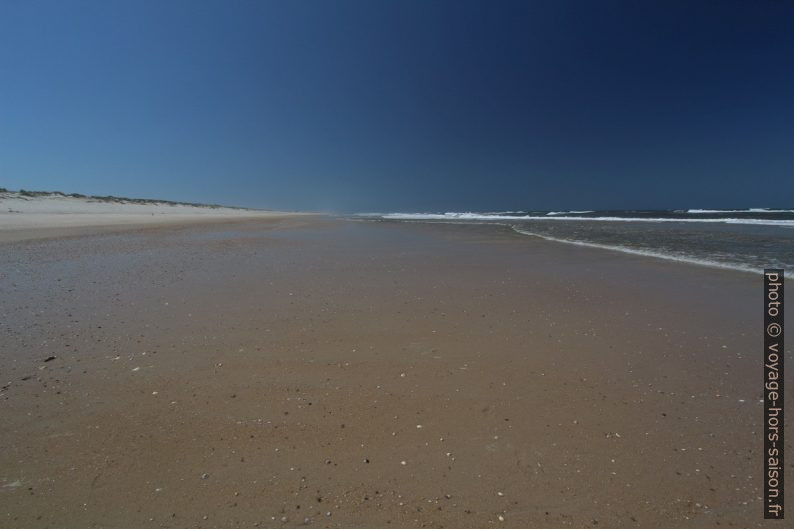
x,y
682,259
51,227
647,253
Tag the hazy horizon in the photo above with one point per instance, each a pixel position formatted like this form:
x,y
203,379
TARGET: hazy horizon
x,y
746,209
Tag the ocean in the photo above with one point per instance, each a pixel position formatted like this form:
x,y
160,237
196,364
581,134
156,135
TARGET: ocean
x,y
748,240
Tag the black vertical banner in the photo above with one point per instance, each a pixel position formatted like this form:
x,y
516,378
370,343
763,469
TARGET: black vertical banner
x,y
773,394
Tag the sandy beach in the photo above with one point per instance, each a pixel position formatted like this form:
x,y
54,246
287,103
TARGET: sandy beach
x,y
47,215
309,371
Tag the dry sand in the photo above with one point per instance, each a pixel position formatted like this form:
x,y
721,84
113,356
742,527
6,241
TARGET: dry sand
x,y
45,216
292,371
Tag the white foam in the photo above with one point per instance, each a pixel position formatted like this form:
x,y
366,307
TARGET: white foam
x,y
486,216
750,210
650,253
554,213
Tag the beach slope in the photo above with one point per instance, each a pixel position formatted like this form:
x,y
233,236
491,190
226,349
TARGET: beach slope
x,y
304,371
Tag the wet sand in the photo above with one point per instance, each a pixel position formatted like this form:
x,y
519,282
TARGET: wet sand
x,y
306,371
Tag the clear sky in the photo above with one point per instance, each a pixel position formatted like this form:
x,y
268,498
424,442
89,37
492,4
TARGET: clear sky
x,y
401,105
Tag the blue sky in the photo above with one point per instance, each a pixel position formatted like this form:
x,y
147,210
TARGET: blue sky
x,y
402,105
